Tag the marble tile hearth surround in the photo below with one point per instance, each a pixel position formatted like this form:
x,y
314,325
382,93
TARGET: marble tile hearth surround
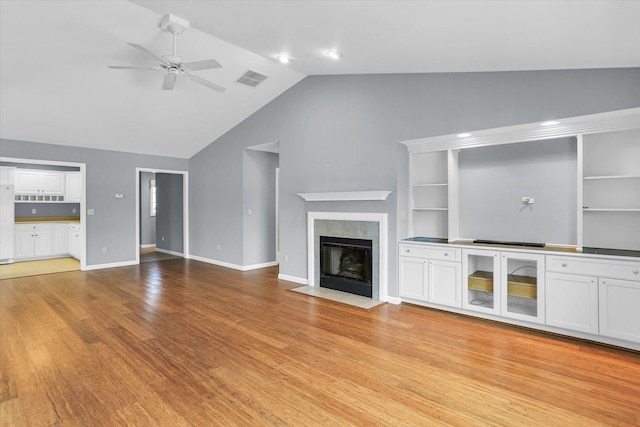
x,y
369,226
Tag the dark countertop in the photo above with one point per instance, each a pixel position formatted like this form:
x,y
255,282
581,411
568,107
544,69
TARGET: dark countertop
x,y
515,245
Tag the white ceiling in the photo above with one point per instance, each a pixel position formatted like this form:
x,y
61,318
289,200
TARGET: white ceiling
x,y
56,87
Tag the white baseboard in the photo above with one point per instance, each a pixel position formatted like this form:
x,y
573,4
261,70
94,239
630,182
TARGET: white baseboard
x,y
394,300
233,266
293,279
110,265
167,251
148,245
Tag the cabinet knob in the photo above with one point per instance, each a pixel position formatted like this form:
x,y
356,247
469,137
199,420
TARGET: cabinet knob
x,y
446,254
636,271
407,250
564,264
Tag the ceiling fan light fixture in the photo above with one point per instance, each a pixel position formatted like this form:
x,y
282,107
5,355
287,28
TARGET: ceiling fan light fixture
x,y
334,54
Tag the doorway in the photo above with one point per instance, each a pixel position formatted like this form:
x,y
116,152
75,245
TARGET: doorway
x,y
162,214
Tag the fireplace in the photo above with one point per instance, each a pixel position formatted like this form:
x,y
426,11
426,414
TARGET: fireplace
x,y
346,265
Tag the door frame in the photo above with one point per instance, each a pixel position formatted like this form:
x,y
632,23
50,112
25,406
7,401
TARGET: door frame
x,y
185,207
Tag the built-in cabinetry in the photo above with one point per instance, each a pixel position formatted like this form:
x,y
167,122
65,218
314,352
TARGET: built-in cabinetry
x,y
430,273
44,186
504,283
46,240
607,184
611,190
583,295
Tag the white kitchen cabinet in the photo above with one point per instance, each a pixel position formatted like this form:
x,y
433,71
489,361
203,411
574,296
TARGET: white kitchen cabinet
x,y
60,239
430,274
572,302
74,240
34,241
39,186
6,175
619,309
73,187
481,285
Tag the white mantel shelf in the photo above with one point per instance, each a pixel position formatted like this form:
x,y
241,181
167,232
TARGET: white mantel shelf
x,y
345,196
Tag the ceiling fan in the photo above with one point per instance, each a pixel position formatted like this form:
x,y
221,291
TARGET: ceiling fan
x,y
172,64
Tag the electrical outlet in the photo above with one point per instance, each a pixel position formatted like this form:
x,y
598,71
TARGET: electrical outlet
x,y
163,238
219,247
73,210
249,212
104,249
33,211
286,258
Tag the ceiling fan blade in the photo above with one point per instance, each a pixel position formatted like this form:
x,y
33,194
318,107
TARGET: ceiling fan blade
x,y
125,67
205,82
148,52
169,81
202,65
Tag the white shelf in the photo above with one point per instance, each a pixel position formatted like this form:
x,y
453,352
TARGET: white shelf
x,y
430,209
587,178
609,210
345,196
432,185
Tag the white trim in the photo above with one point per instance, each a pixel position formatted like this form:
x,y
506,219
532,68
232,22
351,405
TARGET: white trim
x,y
111,265
83,197
383,236
233,266
572,126
149,245
292,279
167,251
394,300
342,196
185,207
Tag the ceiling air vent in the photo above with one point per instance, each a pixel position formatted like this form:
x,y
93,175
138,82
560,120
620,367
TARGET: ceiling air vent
x,y
251,78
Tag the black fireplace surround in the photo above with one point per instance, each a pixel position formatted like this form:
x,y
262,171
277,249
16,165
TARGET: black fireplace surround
x,y
345,265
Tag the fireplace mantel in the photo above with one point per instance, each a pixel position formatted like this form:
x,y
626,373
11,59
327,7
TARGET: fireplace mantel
x,y
345,196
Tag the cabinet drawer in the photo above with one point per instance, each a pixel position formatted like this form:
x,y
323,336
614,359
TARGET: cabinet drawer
x,y
594,267
430,252
34,227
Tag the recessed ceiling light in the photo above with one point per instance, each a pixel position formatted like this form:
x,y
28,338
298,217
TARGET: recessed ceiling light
x,y
283,59
549,123
334,54
463,135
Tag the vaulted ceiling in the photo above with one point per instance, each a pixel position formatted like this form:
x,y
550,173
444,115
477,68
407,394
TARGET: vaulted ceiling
x,y
56,88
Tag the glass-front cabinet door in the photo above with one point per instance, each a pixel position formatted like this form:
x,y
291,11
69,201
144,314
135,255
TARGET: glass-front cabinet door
x,y
522,276
481,281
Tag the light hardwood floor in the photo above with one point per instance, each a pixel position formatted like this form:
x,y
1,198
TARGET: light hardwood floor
x,y
181,343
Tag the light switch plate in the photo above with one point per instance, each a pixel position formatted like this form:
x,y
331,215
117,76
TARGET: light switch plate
x,y
119,195
91,211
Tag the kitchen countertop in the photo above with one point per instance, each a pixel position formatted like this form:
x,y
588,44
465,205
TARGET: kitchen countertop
x,y
26,220
547,248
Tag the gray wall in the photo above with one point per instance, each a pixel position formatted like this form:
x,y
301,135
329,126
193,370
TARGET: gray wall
x,y
169,215
340,133
47,209
493,181
259,196
147,222
108,172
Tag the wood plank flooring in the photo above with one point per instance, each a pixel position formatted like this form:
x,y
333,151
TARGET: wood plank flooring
x,y
183,343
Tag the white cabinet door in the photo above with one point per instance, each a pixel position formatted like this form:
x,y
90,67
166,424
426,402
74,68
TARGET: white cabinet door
x,y
53,183
522,286
27,181
572,302
73,187
24,242
60,239
619,309
481,283
74,241
413,278
43,242
444,283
